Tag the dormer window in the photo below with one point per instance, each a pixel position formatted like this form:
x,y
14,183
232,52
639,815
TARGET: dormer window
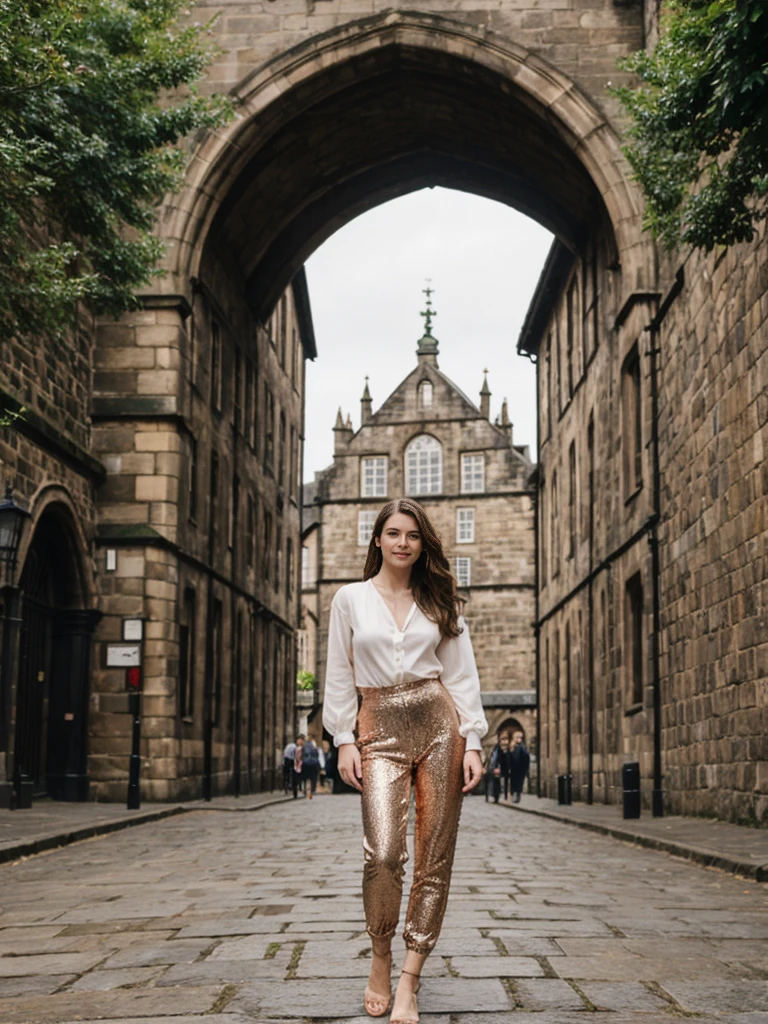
x,y
425,394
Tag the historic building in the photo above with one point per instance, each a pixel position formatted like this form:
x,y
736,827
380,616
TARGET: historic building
x,y
162,550
45,672
652,487
429,441
653,375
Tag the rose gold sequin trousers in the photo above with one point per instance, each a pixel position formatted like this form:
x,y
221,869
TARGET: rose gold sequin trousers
x,y
409,735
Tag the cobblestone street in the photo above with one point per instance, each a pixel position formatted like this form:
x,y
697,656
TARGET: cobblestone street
x,y
233,917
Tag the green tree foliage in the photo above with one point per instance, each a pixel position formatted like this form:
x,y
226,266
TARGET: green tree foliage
x,y
699,122
95,96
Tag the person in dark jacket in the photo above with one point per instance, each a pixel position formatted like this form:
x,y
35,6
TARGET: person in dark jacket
x,y
310,767
519,763
498,769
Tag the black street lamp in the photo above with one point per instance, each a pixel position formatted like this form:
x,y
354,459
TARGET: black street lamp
x,y
12,517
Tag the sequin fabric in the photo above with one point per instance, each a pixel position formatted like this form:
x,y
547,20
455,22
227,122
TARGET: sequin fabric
x,y
408,736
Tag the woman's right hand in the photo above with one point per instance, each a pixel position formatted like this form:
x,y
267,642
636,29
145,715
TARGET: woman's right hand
x,y
350,765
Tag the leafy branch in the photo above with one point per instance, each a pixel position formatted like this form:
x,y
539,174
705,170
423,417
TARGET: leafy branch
x,y
698,135
96,97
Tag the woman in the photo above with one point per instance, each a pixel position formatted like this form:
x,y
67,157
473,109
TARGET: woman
x,y
398,640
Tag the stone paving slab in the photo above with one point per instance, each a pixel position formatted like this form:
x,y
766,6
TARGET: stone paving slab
x,y
716,997
232,925
212,1018
734,848
547,994
51,824
116,1005
104,981
622,967
623,995
496,967
37,984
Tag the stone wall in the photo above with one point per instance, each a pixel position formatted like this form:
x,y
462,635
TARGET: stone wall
x,y
714,582
583,38
199,419
596,697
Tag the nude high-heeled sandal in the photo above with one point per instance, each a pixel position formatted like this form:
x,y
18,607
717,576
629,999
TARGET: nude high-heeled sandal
x,y
375,1004
408,1020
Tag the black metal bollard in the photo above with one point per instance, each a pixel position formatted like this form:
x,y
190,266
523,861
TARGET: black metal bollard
x,y
630,782
564,789
133,802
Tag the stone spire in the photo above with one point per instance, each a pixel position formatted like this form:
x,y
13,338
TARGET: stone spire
x,y
485,397
505,421
426,350
366,404
341,432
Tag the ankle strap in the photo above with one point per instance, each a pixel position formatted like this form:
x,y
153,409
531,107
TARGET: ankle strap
x,y
403,971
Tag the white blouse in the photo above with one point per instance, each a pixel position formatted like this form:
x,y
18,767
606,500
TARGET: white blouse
x,y
366,648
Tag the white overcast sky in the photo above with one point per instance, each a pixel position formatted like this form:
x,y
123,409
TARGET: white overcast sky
x,y
365,286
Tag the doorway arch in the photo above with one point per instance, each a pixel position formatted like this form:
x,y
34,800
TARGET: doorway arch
x,y
52,692
381,107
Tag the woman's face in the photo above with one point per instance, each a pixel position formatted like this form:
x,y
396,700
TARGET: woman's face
x,y
400,541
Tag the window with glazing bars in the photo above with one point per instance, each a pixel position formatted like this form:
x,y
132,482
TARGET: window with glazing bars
x,y
464,572
472,473
424,466
365,521
465,526
373,477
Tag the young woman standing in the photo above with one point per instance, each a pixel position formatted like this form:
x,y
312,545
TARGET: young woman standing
x,y
397,639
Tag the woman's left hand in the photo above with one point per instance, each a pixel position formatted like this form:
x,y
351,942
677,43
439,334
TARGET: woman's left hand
x,y
473,770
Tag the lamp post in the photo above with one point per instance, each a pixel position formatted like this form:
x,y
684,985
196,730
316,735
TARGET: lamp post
x,y
12,517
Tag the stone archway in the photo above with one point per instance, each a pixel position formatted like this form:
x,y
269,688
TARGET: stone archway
x,y
358,112
381,107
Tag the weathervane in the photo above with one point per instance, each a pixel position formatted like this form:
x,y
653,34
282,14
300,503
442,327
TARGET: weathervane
x,y
428,312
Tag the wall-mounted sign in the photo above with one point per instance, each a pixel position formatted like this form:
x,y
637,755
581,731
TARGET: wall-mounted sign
x,y
133,629
123,655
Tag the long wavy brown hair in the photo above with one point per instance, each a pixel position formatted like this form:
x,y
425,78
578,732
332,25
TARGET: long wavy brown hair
x,y
432,583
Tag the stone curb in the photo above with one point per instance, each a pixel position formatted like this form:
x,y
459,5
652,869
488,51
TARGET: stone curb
x,y
700,855
56,840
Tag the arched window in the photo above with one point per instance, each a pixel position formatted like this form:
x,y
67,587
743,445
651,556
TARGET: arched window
x,y
424,466
425,394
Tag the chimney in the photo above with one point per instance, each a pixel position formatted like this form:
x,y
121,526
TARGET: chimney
x,y
485,398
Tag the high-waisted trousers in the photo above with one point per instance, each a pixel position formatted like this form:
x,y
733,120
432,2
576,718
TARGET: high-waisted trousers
x,y
408,735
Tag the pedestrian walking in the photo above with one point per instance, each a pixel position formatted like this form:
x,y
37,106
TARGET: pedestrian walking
x,y
289,755
398,640
498,769
310,759
298,766
519,764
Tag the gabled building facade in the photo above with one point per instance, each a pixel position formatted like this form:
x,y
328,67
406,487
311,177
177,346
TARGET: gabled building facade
x,y
430,442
